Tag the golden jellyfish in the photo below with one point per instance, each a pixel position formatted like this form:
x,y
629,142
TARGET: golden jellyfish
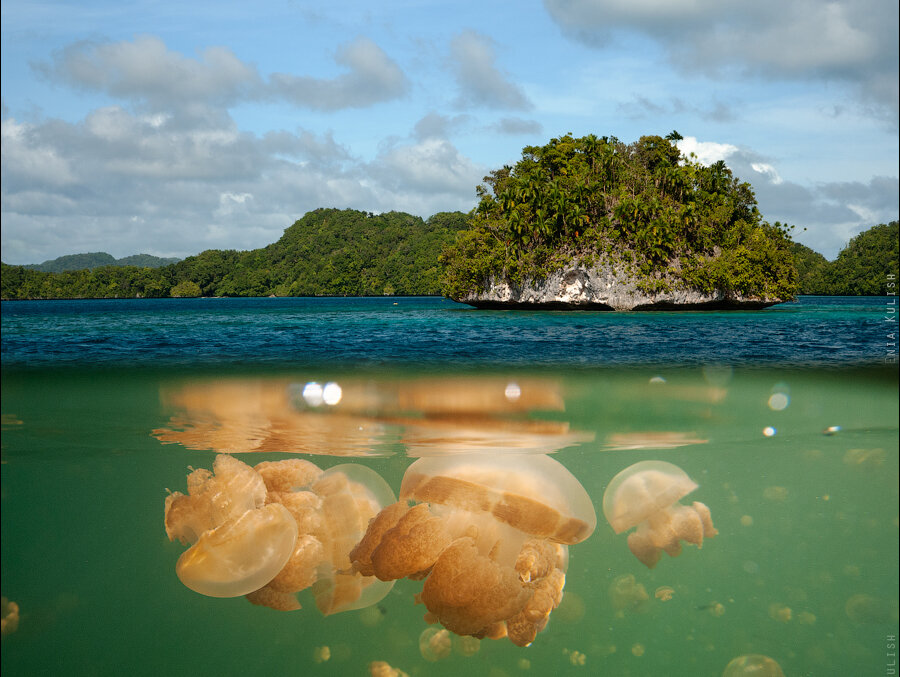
x,y
780,612
626,594
465,645
435,644
865,609
753,664
384,669
646,495
271,531
9,617
489,535
664,593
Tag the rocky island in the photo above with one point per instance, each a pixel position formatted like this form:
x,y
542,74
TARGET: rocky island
x,y
597,224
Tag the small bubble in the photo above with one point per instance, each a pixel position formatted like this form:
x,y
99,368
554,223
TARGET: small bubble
x,y
747,521
657,379
769,431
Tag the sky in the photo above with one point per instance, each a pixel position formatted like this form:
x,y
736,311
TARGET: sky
x,y
169,128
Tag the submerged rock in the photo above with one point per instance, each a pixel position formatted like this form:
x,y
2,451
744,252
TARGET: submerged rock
x,y
602,288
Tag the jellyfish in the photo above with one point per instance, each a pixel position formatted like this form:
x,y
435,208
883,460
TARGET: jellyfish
x,y
9,617
384,669
434,644
271,531
753,664
626,594
664,593
865,609
645,495
489,536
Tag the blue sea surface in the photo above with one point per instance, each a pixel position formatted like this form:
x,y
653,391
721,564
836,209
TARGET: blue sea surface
x,y
811,331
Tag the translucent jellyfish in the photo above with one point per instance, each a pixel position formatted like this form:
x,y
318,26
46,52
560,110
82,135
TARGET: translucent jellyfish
x,y
753,664
865,609
274,530
664,593
488,534
9,617
646,495
465,645
435,644
780,612
384,669
627,595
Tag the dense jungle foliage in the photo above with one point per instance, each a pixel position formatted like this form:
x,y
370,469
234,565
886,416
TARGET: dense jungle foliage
x,y
863,267
327,252
642,207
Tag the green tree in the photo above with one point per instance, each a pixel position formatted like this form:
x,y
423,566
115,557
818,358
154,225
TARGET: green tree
x,y
641,206
185,289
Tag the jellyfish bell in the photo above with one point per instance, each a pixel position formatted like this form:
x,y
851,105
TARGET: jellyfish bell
x,y
213,498
240,556
646,495
753,664
534,493
489,535
351,496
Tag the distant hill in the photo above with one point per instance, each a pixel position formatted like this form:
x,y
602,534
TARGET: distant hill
x,y
353,253
862,268
339,252
96,260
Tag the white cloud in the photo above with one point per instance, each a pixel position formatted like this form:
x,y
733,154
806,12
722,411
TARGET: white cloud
x,y
120,183
705,152
853,42
767,170
146,72
373,77
481,83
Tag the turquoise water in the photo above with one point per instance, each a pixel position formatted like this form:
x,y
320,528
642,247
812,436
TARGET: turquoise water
x,y
435,331
794,447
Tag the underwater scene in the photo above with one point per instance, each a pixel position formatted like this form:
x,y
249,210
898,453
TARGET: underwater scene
x,y
427,519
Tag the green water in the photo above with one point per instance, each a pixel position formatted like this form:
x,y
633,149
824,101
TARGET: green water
x,y
806,522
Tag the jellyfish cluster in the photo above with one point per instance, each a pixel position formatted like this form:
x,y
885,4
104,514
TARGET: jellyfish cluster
x,y
270,531
487,536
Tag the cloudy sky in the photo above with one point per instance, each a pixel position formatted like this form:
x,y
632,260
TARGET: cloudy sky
x,y
172,127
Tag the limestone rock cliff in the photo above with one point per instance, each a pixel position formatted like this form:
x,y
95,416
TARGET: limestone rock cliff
x,y
601,288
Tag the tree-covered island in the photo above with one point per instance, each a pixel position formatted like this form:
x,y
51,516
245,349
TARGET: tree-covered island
x,y
597,223
577,223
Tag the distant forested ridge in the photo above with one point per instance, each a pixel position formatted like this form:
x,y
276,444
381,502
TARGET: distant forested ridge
x,y
327,252
347,252
861,269
98,260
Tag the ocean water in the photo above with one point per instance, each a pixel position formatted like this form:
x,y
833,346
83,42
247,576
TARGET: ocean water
x,y
785,418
